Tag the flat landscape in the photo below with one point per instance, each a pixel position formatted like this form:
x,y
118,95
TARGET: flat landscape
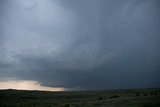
x,y
102,98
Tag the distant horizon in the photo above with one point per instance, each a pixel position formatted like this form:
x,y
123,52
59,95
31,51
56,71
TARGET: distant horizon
x,y
32,87
81,90
26,85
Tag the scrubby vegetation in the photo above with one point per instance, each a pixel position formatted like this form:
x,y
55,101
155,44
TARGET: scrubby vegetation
x,y
104,98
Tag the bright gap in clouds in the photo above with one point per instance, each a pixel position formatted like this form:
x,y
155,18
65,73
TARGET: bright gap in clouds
x,y
26,85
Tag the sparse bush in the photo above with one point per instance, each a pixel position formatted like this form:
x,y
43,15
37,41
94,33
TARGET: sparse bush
x,y
156,94
144,94
100,98
67,105
114,96
137,94
69,97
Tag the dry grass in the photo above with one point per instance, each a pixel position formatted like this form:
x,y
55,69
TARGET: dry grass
x,y
106,98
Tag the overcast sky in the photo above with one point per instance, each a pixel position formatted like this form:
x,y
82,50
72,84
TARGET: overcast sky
x,y
81,44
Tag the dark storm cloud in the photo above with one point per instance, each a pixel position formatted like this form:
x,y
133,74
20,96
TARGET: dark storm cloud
x,y
91,44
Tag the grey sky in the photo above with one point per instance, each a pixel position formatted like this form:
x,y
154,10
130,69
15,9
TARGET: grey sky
x,y
85,44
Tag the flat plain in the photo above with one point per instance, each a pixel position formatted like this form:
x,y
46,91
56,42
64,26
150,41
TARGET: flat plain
x,y
149,97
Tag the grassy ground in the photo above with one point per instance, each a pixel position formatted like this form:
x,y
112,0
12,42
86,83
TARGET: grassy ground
x,y
106,98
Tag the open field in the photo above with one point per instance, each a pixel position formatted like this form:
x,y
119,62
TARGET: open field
x,y
104,98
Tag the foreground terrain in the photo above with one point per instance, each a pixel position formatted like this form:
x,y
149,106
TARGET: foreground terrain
x,y
105,98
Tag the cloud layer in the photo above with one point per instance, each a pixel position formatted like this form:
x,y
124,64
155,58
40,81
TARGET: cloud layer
x,y
88,44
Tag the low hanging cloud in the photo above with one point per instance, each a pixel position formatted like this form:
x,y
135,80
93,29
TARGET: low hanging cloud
x,y
81,44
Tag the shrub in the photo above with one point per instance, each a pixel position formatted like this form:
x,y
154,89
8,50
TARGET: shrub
x,y
100,98
144,94
137,94
114,96
69,97
156,94
67,105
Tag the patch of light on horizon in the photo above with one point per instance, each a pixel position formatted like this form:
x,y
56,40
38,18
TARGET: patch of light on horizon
x,y
26,85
